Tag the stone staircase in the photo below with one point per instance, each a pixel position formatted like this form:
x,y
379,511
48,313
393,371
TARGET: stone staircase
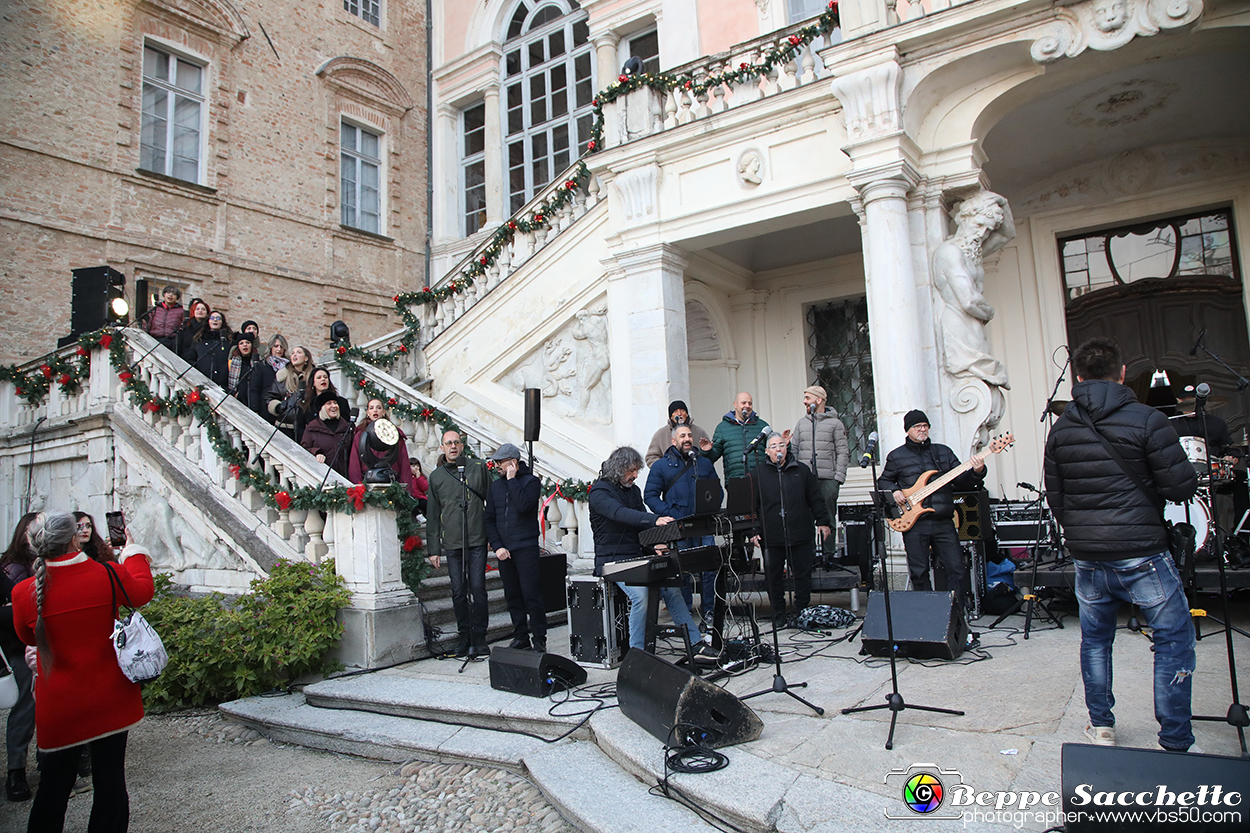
x,y
435,596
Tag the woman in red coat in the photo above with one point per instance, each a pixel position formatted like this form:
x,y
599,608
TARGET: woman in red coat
x,y
81,695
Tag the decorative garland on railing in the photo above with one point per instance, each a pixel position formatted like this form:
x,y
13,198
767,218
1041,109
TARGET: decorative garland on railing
x,y
33,384
663,82
193,402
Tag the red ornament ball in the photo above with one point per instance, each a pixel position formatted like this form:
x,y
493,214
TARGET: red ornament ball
x,y
392,401
622,78
362,383
342,351
590,145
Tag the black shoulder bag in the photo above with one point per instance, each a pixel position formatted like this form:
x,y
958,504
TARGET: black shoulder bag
x,y
1182,538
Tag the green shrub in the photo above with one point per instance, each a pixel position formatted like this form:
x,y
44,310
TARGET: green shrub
x,y
222,649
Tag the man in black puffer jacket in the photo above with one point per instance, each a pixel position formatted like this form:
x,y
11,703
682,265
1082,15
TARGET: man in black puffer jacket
x,y
933,530
1116,535
512,533
790,506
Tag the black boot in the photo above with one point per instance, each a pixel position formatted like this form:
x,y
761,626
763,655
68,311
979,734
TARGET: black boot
x,y
462,647
479,648
540,646
15,787
520,642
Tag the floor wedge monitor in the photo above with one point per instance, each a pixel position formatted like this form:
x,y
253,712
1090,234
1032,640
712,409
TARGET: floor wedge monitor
x,y
658,695
532,674
928,624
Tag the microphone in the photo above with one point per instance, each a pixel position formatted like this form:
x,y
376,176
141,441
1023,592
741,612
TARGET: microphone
x,y
764,432
1202,391
1028,486
866,458
1193,351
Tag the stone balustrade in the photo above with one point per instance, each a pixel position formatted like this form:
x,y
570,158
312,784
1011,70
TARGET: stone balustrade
x,y
425,437
437,317
303,535
646,111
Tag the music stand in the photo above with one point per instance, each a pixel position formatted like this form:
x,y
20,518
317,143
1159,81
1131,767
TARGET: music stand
x,y
893,701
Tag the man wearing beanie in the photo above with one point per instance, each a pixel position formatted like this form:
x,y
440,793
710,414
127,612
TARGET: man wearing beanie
x,y
819,442
933,531
662,441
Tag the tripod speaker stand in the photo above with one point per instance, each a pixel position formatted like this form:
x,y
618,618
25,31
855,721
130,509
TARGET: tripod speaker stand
x,y
893,701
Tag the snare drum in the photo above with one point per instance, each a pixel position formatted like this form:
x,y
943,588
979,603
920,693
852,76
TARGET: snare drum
x,y
1196,451
1221,470
1199,516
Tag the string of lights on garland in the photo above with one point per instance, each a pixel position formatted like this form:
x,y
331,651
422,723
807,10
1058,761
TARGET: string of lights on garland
x,y
34,384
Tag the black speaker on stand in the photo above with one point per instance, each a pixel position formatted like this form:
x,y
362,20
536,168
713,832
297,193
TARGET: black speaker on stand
x,y
533,419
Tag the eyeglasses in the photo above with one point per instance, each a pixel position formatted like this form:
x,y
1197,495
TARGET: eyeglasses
x,y
84,526
216,318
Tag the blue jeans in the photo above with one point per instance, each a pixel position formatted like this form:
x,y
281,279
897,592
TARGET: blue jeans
x,y
671,596
1153,584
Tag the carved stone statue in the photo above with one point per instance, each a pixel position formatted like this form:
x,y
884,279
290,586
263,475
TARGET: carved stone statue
x,y
571,368
749,166
591,332
1109,24
1110,15
983,226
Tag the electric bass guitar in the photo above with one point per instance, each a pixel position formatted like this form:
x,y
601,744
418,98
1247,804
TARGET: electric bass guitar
x,y
922,489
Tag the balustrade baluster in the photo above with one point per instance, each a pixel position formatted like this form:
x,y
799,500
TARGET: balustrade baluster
x,y
670,109
592,192
282,526
299,517
315,549
569,525
787,79
553,522
809,64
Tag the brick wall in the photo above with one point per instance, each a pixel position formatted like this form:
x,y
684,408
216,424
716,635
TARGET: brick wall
x,y
259,233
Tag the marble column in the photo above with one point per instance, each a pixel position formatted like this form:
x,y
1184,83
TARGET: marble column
x,y
647,310
900,348
447,207
495,151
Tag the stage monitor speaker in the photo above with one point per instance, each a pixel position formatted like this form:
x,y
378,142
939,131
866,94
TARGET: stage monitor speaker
x,y
531,673
928,624
658,695
533,414
1157,777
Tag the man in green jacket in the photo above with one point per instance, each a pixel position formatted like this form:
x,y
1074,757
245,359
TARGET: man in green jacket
x,y
736,430
456,526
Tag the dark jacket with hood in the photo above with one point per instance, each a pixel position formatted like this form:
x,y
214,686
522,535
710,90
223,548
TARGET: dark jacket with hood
x,y
617,514
905,464
670,483
731,437
444,516
1104,516
793,486
512,511
210,353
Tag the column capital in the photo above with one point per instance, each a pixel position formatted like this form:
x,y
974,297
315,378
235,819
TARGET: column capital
x,y
604,39
491,87
892,180
871,102
665,256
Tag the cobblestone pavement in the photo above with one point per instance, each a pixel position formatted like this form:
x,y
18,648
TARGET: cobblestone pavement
x,y
193,770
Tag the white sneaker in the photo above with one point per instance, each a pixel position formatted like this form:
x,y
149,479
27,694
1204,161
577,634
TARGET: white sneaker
x,y
1101,735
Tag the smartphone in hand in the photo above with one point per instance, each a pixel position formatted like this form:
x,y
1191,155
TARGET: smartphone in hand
x,y
117,528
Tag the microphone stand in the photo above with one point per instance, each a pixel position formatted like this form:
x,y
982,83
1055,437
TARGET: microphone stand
x,y
893,701
191,365
338,449
1046,412
779,686
464,561
1237,716
30,466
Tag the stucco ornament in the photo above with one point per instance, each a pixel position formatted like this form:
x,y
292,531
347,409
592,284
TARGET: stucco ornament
x,y
167,537
571,368
983,225
1109,24
750,167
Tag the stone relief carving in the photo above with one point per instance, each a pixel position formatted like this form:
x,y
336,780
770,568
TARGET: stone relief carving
x,y
1123,102
750,168
870,101
983,225
1137,171
572,368
170,540
1109,24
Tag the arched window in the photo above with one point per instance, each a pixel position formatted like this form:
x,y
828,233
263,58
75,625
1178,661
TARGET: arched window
x,y
548,86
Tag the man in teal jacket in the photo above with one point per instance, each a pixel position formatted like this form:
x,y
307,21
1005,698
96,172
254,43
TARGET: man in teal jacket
x,y
735,432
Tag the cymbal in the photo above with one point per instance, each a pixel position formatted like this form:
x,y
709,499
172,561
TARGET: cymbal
x,y
1057,406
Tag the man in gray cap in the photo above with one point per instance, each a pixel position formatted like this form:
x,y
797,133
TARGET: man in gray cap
x,y
933,531
819,442
512,530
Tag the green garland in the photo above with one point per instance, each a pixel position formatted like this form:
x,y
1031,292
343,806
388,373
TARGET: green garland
x,y
33,384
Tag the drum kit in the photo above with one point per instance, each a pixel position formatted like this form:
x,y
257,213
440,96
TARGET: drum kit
x,y
1198,511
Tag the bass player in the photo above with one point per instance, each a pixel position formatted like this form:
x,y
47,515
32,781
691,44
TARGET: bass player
x,y
933,530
